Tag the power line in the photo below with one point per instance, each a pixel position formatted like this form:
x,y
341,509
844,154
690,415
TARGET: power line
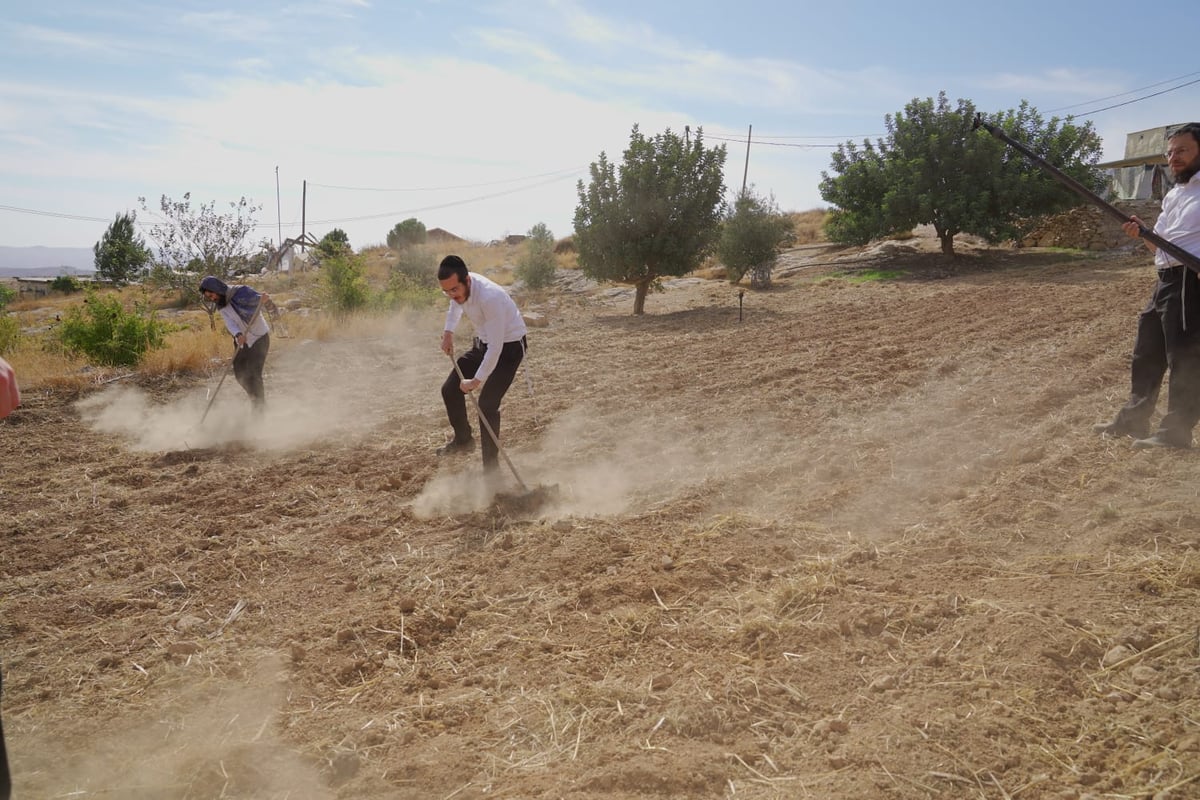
x,y
1136,99
55,214
742,139
1120,94
558,172
451,204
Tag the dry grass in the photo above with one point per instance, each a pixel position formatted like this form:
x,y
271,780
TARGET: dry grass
x,y
809,226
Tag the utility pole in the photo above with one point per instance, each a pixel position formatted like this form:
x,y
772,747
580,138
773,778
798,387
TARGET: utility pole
x,y
303,212
746,171
278,214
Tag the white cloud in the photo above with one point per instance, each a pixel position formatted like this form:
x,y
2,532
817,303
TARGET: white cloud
x,y
1057,82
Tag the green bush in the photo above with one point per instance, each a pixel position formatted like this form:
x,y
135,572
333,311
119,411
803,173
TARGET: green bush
x,y
536,266
417,263
751,237
67,284
7,294
334,243
403,291
10,333
344,277
105,333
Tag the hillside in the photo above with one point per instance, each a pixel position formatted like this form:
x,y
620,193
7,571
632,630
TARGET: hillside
x,y
857,543
33,262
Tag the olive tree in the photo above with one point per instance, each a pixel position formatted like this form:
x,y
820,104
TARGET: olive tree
x,y
406,234
536,266
657,214
934,168
751,236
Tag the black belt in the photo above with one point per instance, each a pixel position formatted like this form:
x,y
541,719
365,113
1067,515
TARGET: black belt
x,y
1166,273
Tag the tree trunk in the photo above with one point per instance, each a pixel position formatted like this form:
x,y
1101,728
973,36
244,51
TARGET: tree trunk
x,y
639,298
947,240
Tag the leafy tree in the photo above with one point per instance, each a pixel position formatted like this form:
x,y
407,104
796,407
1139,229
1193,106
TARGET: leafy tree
x,y
658,215
193,243
751,237
103,331
536,266
121,255
344,278
406,234
934,168
333,243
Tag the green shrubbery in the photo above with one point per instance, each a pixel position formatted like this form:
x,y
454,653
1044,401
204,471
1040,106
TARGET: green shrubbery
x,y
10,330
10,333
345,281
403,291
536,267
751,237
418,263
105,333
67,284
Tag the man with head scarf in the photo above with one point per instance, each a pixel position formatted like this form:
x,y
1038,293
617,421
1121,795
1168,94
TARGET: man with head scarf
x,y
242,311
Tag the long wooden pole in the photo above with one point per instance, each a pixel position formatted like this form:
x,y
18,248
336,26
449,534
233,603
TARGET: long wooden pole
x,y
746,171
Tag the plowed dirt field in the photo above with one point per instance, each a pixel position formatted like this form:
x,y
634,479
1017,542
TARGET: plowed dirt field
x,y
852,540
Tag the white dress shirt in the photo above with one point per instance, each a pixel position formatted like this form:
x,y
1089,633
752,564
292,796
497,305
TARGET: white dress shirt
x,y
496,318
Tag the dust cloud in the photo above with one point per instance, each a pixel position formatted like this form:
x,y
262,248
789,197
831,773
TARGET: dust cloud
x,y
214,738
599,464
882,469
315,391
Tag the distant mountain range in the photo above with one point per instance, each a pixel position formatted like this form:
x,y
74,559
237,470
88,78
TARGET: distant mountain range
x,y
45,262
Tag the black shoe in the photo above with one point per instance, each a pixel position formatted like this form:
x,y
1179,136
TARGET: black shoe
x,y
1163,439
1122,429
454,447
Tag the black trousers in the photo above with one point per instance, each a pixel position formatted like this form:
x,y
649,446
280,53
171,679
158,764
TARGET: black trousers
x,y
248,363
490,395
1165,345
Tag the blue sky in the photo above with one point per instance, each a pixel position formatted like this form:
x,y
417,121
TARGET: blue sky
x,y
480,117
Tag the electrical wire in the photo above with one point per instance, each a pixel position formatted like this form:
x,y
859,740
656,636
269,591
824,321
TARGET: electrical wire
x,y
451,204
559,172
1136,99
1120,94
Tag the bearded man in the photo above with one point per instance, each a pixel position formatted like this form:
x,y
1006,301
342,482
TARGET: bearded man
x,y
1168,330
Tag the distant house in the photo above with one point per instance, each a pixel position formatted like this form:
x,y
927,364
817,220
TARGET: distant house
x,y
1142,174
441,236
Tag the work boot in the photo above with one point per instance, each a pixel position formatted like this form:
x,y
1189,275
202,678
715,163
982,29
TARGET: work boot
x,y
454,447
1164,439
1118,428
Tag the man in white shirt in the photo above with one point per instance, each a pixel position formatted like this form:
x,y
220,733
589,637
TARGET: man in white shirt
x,y
1168,330
492,361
